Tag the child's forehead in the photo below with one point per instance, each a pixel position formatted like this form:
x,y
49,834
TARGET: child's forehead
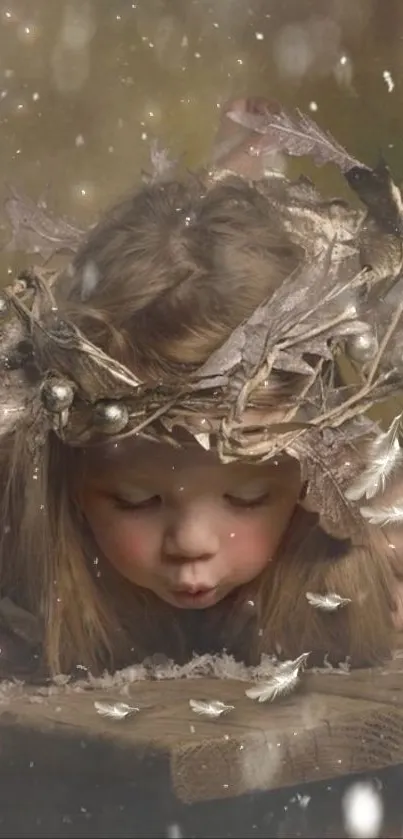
x,y
145,456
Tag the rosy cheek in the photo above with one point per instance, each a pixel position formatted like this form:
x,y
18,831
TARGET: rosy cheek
x,y
251,539
123,541
131,541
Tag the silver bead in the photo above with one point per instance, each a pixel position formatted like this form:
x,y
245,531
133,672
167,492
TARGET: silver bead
x,y
57,395
110,417
362,348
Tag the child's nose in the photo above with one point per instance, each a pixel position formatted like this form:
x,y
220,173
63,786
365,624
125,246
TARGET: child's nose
x,y
190,535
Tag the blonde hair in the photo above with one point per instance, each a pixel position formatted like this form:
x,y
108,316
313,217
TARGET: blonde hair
x,y
178,266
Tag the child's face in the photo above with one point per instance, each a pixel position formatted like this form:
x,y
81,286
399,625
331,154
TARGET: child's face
x,y
182,524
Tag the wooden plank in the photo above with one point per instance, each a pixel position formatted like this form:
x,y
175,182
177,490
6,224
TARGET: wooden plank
x,y
334,725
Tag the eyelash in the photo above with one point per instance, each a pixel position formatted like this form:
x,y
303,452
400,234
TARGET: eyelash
x,y
148,503
154,501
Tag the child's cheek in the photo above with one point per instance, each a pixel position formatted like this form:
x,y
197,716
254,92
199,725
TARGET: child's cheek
x,y
253,539
129,544
135,540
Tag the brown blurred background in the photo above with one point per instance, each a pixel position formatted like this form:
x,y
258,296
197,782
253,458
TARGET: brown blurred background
x,y
86,84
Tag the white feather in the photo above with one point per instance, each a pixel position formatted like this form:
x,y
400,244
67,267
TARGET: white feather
x,y
383,515
213,708
326,602
384,455
279,685
283,681
116,711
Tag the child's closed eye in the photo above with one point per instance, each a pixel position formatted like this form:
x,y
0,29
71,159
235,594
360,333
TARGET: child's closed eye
x,y
154,501
246,502
150,502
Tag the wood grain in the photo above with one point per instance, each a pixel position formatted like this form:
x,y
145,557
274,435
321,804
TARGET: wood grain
x,y
335,724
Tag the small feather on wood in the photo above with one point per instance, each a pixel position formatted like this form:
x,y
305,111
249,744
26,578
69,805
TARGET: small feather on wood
x,y
382,516
213,708
283,681
116,710
327,602
384,455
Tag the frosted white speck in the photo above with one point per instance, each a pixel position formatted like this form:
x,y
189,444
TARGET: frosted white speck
x,y
292,51
387,77
363,811
174,831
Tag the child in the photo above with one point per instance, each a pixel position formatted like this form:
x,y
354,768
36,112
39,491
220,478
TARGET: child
x,y
174,450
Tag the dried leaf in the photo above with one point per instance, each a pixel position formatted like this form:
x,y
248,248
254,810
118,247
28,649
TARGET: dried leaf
x,y
380,195
204,440
327,602
116,711
293,310
293,134
292,363
283,681
384,455
323,478
163,165
213,708
36,230
382,516
61,345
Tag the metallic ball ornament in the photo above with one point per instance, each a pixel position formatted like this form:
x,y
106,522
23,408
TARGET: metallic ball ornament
x,y
57,395
110,417
362,348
